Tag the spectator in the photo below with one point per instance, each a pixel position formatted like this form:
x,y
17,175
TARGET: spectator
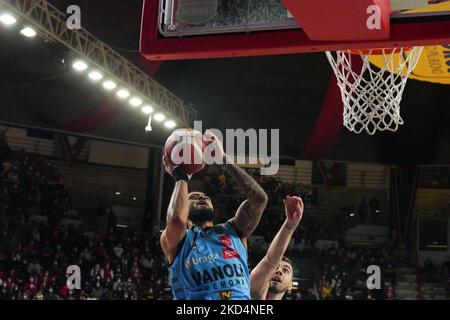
x,y
106,272
327,290
390,293
31,287
118,250
98,291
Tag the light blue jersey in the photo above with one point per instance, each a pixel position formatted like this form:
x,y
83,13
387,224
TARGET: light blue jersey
x,y
211,264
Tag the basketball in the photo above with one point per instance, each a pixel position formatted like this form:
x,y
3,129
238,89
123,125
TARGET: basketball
x,y
184,148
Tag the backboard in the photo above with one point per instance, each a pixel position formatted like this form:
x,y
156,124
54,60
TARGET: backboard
x,y
195,29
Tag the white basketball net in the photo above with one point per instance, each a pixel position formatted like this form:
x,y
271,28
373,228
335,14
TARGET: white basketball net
x,y
372,96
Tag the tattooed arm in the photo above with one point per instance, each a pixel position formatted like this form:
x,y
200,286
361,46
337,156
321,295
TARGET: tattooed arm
x,y
250,211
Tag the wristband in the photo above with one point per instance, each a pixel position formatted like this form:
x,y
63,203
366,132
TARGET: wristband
x,y
179,174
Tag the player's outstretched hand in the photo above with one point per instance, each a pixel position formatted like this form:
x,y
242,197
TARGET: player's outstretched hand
x,y
214,142
294,211
176,172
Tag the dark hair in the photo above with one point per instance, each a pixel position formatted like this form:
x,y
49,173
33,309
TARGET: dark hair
x,y
290,263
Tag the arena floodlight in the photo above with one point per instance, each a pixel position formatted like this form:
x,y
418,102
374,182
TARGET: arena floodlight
x,y
147,109
170,124
7,19
159,117
109,85
95,75
28,32
80,65
123,93
135,102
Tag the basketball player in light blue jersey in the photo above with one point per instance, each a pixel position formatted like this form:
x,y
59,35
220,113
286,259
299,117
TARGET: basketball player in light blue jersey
x,y
207,261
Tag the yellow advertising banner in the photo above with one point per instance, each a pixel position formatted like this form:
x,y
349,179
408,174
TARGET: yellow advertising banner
x,y
434,63
433,66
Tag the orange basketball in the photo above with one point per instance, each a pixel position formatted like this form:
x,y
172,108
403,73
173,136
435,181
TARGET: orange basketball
x,y
184,148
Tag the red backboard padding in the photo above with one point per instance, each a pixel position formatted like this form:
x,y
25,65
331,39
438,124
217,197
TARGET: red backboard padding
x,y
340,20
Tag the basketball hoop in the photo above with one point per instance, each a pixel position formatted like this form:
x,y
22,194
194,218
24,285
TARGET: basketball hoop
x,y
372,95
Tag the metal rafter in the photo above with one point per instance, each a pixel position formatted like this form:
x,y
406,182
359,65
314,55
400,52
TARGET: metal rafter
x,y
50,23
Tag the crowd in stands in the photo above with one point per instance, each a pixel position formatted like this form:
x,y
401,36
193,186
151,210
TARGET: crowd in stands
x,y
277,190
309,232
115,265
220,183
344,274
34,257
32,185
438,274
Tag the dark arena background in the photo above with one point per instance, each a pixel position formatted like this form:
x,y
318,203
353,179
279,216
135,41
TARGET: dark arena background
x,y
81,176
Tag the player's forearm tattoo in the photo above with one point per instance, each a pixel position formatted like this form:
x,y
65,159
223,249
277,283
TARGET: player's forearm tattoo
x,y
249,213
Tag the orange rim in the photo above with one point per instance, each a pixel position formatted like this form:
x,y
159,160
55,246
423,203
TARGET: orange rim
x,y
378,51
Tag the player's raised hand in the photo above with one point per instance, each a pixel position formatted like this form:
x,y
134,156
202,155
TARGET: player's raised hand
x,y
168,165
294,210
172,170
212,140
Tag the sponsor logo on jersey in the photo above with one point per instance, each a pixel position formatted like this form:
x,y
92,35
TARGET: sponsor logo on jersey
x,y
229,253
225,240
225,295
195,261
219,273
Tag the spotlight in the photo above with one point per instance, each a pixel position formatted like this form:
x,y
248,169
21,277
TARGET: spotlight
x,y
159,117
28,32
95,75
79,65
7,19
170,124
147,109
135,102
109,85
123,93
